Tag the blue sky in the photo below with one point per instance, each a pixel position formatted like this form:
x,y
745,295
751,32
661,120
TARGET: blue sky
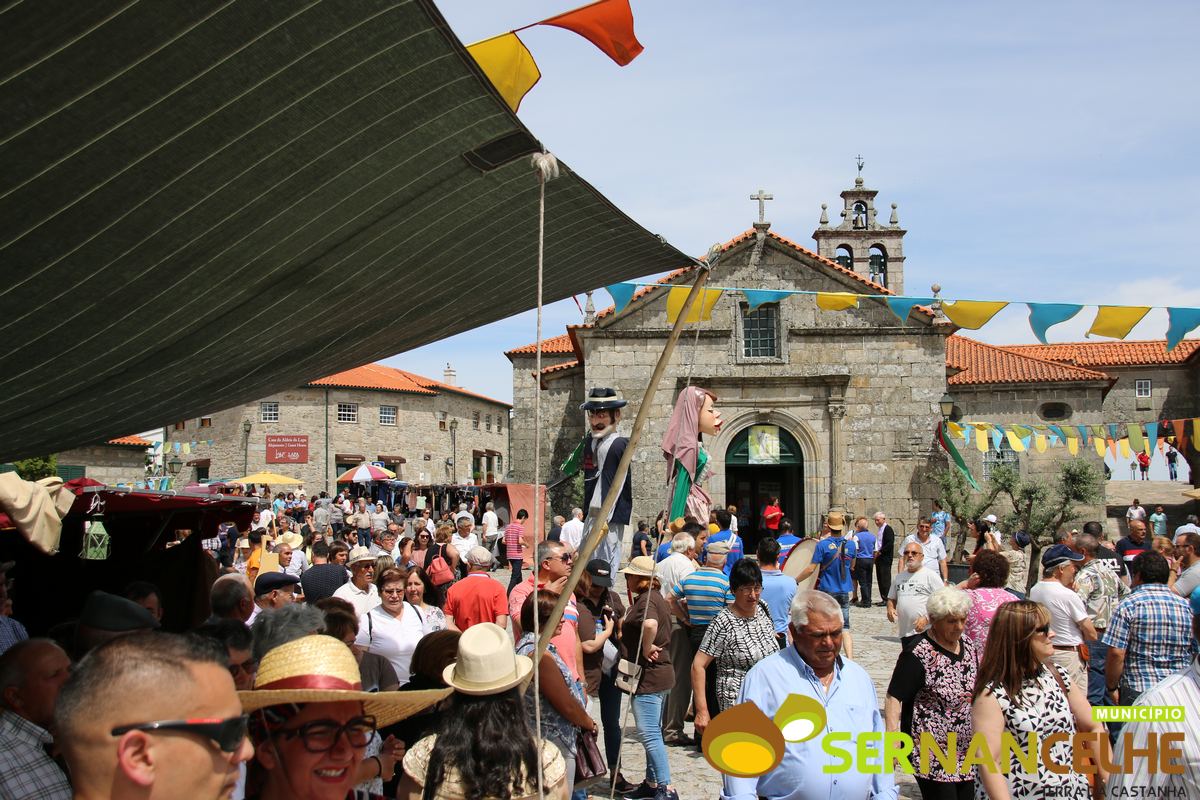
x,y
1037,151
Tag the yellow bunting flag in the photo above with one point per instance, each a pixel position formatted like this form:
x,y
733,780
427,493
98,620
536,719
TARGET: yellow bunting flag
x,y
956,429
836,301
1125,451
1015,442
1040,441
1136,440
701,309
509,66
1099,443
981,438
972,314
1117,321
1073,445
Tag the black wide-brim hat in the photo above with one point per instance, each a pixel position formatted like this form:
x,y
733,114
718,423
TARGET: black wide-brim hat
x,y
601,398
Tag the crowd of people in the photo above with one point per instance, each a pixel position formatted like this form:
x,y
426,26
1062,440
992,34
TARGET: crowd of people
x,y
364,653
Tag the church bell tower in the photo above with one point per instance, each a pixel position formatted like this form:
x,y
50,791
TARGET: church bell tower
x,y
860,242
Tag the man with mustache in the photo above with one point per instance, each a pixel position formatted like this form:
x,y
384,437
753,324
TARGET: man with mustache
x,y
602,451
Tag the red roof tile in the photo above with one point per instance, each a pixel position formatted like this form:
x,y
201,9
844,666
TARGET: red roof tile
x,y
558,345
1110,354
980,363
391,379
429,383
132,441
560,367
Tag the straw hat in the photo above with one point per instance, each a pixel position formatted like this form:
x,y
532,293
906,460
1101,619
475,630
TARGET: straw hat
x,y
358,553
642,566
292,540
486,662
243,542
321,669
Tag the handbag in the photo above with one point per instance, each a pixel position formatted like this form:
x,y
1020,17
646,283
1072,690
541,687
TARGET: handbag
x,y
629,675
439,570
590,766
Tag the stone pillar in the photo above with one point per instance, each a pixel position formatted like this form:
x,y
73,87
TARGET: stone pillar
x,y
837,410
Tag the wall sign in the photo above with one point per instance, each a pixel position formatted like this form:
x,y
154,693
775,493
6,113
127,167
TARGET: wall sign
x,y
287,449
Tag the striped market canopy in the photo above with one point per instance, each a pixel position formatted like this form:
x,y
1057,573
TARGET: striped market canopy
x,y
204,203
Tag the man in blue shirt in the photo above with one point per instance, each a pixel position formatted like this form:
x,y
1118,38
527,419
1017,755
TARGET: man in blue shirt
x,y
787,540
811,667
778,589
834,556
864,560
725,535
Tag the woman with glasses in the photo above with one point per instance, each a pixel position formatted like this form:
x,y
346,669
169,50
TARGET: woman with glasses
x,y
1019,692
740,636
421,544
393,628
931,691
311,723
418,587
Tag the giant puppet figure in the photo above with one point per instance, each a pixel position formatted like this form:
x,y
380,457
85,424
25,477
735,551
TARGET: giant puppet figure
x,y
602,451
687,460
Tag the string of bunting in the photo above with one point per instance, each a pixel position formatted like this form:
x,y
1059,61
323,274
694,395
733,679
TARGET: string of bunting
x,y
181,447
1113,321
1124,438
608,24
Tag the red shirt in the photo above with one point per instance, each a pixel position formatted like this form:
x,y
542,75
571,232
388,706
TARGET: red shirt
x,y
772,522
475,599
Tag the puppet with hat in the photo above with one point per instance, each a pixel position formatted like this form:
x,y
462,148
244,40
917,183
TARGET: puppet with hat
x,y
687,460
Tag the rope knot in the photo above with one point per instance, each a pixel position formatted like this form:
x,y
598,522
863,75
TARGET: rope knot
x,y
546,165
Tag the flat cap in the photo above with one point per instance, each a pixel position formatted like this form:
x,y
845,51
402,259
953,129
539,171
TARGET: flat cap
x,y
109,612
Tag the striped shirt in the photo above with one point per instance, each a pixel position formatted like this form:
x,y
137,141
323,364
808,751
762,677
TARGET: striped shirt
x,y
706,592
514,535
1179,689
1154,627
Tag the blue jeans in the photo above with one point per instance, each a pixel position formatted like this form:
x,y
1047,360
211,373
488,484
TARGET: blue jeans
x,y
1097,652
647,715
364,537
610,718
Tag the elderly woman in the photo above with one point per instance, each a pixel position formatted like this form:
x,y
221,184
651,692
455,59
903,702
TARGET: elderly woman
x,y
985,586
563,701
931,691
393,628
311,722
741,635
484,747
1020,692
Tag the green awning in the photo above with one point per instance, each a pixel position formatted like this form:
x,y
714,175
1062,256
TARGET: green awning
x,y
738,453
204,203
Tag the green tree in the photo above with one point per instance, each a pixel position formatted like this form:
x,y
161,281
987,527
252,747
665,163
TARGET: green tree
x,y
963,503
37,467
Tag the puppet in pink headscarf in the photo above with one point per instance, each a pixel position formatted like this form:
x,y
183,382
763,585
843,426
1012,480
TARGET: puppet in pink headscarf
x,y
687,460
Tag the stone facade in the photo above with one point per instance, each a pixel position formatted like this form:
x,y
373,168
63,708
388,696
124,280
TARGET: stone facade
x,y
107,463
429,443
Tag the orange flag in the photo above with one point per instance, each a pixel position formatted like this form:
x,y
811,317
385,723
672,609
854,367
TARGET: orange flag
x,y
608,24
1180,437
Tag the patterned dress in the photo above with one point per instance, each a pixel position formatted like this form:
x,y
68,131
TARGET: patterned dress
x,y
555,727
1043,710
984,603
736,645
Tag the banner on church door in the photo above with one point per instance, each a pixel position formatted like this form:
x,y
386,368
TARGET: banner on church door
x,y
762,445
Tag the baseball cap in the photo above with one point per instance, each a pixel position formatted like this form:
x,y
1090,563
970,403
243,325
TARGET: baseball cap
x,y
601,572
270,581
720,548
1059,554
1023,539
990,519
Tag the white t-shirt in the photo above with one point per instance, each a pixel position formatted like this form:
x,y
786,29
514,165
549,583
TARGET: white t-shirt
x,y
1187,528
733,523
265,518
1066,610
1188,580
572,533
463,546
935,551
673,569
394,639
1136,512
491,523
911,592
363,601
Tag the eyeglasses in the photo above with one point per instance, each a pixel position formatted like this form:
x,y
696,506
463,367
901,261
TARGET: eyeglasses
x,y
250,666
913,553
321,736
227,734
393,590
752,588
1044,630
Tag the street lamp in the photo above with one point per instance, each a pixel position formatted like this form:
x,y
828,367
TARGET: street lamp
x,y
246,426
174,465
453,451
947,406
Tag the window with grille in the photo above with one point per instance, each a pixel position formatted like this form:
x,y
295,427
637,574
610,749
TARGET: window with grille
x,y
487,422
206,422
760,332
499,426
268,412
1141,388
387,415
347,412
1005,456
475,420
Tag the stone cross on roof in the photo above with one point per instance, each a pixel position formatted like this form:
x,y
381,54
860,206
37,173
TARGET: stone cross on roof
x,y
762,198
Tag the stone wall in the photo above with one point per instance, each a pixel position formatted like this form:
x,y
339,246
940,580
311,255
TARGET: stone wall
x,y
416,436
1172,394
557,417
111,464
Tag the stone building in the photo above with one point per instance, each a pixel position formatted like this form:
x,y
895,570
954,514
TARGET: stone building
x,y
426,431
853,396
121,460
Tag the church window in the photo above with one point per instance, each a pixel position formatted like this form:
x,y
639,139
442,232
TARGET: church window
x,y
1005,456
879,265
1053,412
845,256
760,332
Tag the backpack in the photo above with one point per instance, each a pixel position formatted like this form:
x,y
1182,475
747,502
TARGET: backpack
x,y
439,569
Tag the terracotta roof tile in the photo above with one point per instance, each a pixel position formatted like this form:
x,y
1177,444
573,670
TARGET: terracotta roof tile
x,y
1110,354
391,379
438,386
558,345
566,365
132,441
980,363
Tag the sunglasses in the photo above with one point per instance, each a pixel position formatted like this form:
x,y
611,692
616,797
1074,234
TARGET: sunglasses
x,y
249,667
566,558
1044,630
227,734
913,553
321,736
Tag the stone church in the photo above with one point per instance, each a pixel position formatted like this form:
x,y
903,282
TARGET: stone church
x,y
851,396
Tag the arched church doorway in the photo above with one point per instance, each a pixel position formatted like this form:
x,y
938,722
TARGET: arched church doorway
x,y
764,461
